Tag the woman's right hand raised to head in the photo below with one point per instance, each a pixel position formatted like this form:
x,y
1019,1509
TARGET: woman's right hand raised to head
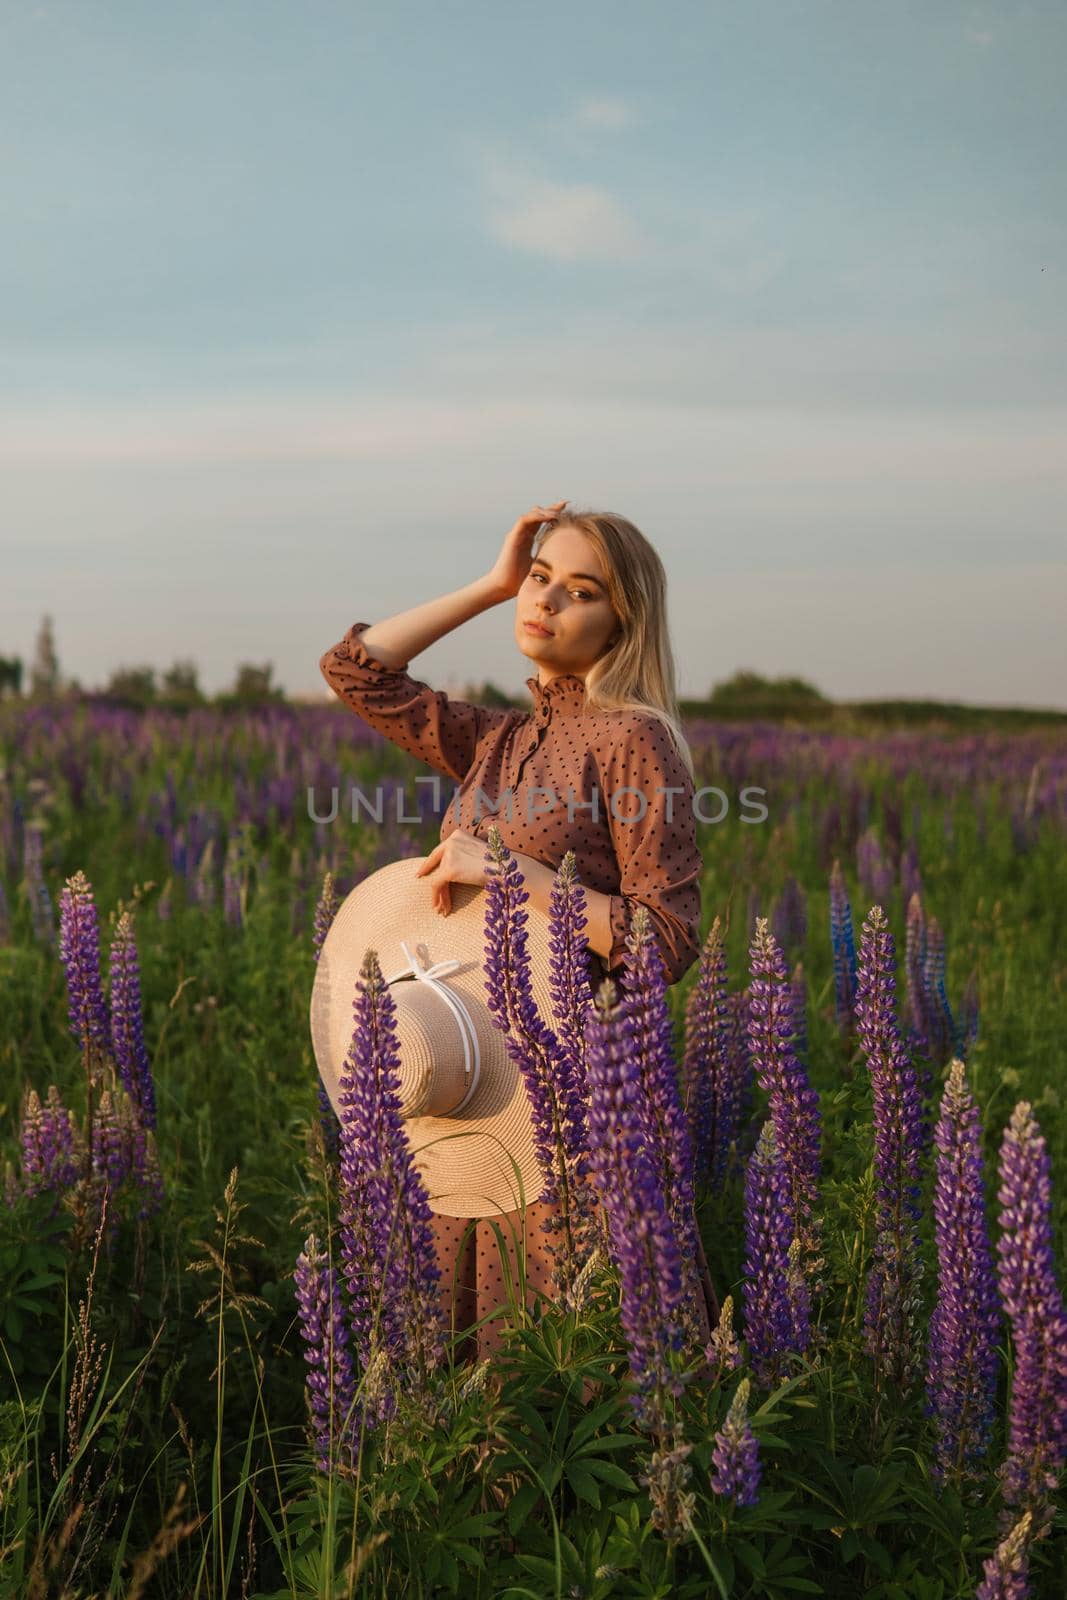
x,y
508,572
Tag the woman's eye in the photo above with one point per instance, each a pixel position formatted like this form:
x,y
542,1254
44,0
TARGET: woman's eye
x,y
584,593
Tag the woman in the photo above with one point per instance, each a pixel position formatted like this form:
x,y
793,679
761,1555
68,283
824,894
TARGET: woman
x,y
600,765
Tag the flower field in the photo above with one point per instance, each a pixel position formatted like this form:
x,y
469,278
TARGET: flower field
x,y
222,1371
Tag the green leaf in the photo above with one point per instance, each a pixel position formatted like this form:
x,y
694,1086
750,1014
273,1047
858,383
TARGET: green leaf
x,y
545,1570
522,1503
583,1484
592,1421
610,1474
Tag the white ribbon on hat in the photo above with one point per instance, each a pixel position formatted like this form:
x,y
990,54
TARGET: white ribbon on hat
x,y
472,1065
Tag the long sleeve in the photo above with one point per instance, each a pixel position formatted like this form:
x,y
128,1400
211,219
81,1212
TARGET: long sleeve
x,y
423,721
660,863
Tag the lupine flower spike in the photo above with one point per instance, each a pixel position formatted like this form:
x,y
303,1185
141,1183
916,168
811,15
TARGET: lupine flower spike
x,y
723,1352
79,945
962,1360
891,1320
1006,1575
1037,1418
325,911
331,1383
127,1028
643,1242
556,1105
709,1067
844,950
736,1475
769,1313
385,1209
648,1016
794,1107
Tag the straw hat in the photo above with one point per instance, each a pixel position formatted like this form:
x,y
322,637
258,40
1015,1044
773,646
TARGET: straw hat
x,y
456,1076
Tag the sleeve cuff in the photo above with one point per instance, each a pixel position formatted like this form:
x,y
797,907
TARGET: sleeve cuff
x,y
351,648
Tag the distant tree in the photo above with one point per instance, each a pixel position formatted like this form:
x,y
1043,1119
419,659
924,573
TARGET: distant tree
x,y
487,694
180,687
751,688
132,686
252,687
44,674
10,675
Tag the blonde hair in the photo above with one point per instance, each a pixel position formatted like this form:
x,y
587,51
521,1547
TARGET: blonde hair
x,y
637,672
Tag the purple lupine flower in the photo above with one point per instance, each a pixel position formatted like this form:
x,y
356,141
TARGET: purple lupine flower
x,y
572,999
47,1141
723,1350
736,1453
376,1154
844,950
38,1148
937,1006
768,1231
65,1139
331,1383
891,1322
961,1374
556,1109
789,918
1006,1575
794,1104
41,912
646,1007
110,1153
642,1239
1037,1418
709,1066
127,1028
79,946
326,909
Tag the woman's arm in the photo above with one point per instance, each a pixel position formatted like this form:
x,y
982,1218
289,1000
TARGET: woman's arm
x,y
396,640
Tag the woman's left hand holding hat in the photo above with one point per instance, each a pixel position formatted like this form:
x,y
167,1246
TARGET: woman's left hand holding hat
x,y
461,858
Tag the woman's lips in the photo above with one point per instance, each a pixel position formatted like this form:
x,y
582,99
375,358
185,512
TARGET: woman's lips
x,y
534,627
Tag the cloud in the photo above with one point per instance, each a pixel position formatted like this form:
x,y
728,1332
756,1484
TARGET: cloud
x,y
983,38
561,221
605,111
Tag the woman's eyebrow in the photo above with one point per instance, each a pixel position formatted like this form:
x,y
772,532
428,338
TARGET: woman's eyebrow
x,y
539,562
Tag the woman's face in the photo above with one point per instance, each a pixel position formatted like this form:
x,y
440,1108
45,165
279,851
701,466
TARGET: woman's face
x,y
566,591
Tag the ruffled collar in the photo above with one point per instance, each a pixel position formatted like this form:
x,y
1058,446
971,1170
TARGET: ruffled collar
x,y
565,694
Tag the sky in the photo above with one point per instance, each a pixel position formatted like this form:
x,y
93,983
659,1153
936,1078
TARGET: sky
x,y
303,303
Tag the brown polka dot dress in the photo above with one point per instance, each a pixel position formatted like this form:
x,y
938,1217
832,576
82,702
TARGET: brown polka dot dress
x,y
609,785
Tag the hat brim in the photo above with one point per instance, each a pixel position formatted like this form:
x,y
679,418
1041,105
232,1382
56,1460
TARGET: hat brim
x,y
480,1162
